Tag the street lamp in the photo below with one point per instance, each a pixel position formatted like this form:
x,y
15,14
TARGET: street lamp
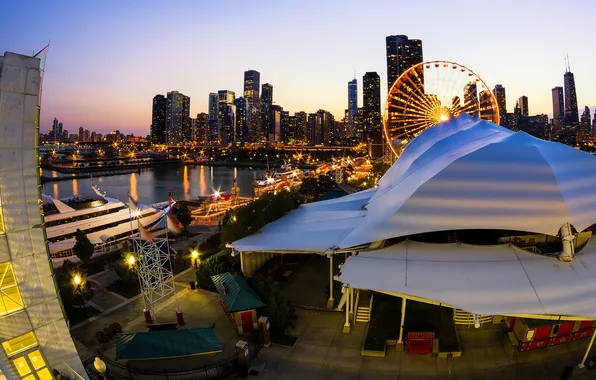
x,y
77,280
131,260
100,366
195,256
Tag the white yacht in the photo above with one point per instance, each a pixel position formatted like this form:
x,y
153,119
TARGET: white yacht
x,y
106,222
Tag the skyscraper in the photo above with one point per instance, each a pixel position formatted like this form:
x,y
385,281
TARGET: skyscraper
x,y
558,112
241,130
586,120
352,102
226,120
266,103
486,109
523,105
202,127
471,99
158,120
56,135
499,92
558,103
301,121
371,104
252,83
212,135
177,118
402,53
571,111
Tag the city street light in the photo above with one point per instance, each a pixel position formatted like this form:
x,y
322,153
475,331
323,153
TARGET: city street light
x,y
131,260
77,280
195,256
100,366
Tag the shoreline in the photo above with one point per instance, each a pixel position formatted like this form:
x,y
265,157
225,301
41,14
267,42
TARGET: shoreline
x,y
83,173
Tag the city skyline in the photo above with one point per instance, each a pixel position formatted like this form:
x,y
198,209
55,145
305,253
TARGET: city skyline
x,y
91,68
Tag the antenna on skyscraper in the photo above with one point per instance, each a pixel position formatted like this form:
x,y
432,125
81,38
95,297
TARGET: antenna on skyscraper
x,y
354,74
568,64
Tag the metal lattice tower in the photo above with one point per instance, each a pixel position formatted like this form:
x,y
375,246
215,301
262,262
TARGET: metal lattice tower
x,y
154,268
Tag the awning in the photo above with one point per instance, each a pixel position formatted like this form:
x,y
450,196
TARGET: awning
x,y
486,280
235,293
166,344
313,227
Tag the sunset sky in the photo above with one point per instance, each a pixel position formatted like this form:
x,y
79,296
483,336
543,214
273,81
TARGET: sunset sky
x,y
108,58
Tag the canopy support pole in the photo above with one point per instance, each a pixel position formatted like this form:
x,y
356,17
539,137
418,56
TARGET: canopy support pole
x,y
568,246
347,324
582,364
330,301
400,341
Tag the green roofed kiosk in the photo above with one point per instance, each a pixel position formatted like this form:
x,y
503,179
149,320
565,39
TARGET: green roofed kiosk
x,y
239,301
166,344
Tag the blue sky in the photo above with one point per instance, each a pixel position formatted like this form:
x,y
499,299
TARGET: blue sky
x,y
109,58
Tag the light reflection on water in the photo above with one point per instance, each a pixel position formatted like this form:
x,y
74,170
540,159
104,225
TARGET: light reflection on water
x,y
151,184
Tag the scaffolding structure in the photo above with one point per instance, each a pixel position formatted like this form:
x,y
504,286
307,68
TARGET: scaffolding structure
x,y
155,271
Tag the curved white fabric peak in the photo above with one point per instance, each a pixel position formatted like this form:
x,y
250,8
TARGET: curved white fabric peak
x,y
486,280
473,174
462,174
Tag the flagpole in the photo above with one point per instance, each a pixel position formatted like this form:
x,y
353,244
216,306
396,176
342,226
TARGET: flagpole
x,y
179,312
132,238
138,269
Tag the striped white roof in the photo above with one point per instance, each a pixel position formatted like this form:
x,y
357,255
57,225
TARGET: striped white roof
x,y
462,174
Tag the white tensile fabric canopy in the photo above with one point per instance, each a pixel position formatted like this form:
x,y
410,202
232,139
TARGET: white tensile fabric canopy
x,y
462,174
486,280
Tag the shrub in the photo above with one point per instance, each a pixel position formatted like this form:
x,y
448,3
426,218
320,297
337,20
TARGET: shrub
x,y
278,308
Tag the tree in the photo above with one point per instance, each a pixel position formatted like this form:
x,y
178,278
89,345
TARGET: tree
x,y
278,308
83,247
184,216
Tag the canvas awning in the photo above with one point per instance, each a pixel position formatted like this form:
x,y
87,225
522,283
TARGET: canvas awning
x,y
235,293
166,344
486,280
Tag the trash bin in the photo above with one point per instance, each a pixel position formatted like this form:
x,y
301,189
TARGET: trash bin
x,y
192,284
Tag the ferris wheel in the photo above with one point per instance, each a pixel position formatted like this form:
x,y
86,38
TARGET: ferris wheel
x,y
432,92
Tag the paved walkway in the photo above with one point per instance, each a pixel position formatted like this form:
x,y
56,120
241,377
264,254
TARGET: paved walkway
x,y
324,352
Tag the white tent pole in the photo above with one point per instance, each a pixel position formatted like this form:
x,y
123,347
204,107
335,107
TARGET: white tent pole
x,y
347,291
403,318
582,364
331,300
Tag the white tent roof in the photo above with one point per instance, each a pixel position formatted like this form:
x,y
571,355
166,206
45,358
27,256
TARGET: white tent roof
x,y
486,280
462,174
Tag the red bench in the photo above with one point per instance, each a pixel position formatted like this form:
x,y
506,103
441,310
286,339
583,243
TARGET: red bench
x,y
420,342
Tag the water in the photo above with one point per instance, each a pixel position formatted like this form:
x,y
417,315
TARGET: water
x,y
151,184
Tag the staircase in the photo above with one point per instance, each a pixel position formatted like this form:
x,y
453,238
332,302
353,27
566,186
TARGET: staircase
x,y
364,308
462,317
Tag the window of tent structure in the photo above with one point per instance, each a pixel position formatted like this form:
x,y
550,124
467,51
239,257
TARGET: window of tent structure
x,y
26,357
10,297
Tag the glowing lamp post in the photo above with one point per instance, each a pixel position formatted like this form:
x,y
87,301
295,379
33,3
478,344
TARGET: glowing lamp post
x,y
100,366
195,256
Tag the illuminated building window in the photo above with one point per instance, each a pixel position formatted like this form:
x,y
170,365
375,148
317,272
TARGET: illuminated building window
x,y
10,298
30,363
20,343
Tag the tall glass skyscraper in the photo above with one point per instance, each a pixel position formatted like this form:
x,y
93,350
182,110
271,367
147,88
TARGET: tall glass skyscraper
x,y
558,104
158,120
352,102
571,110
402,53
267,126
499,92
371,96
252,83
212,136
177,117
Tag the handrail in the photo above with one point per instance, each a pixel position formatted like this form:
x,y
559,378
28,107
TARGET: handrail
x,y
370,305
356,304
